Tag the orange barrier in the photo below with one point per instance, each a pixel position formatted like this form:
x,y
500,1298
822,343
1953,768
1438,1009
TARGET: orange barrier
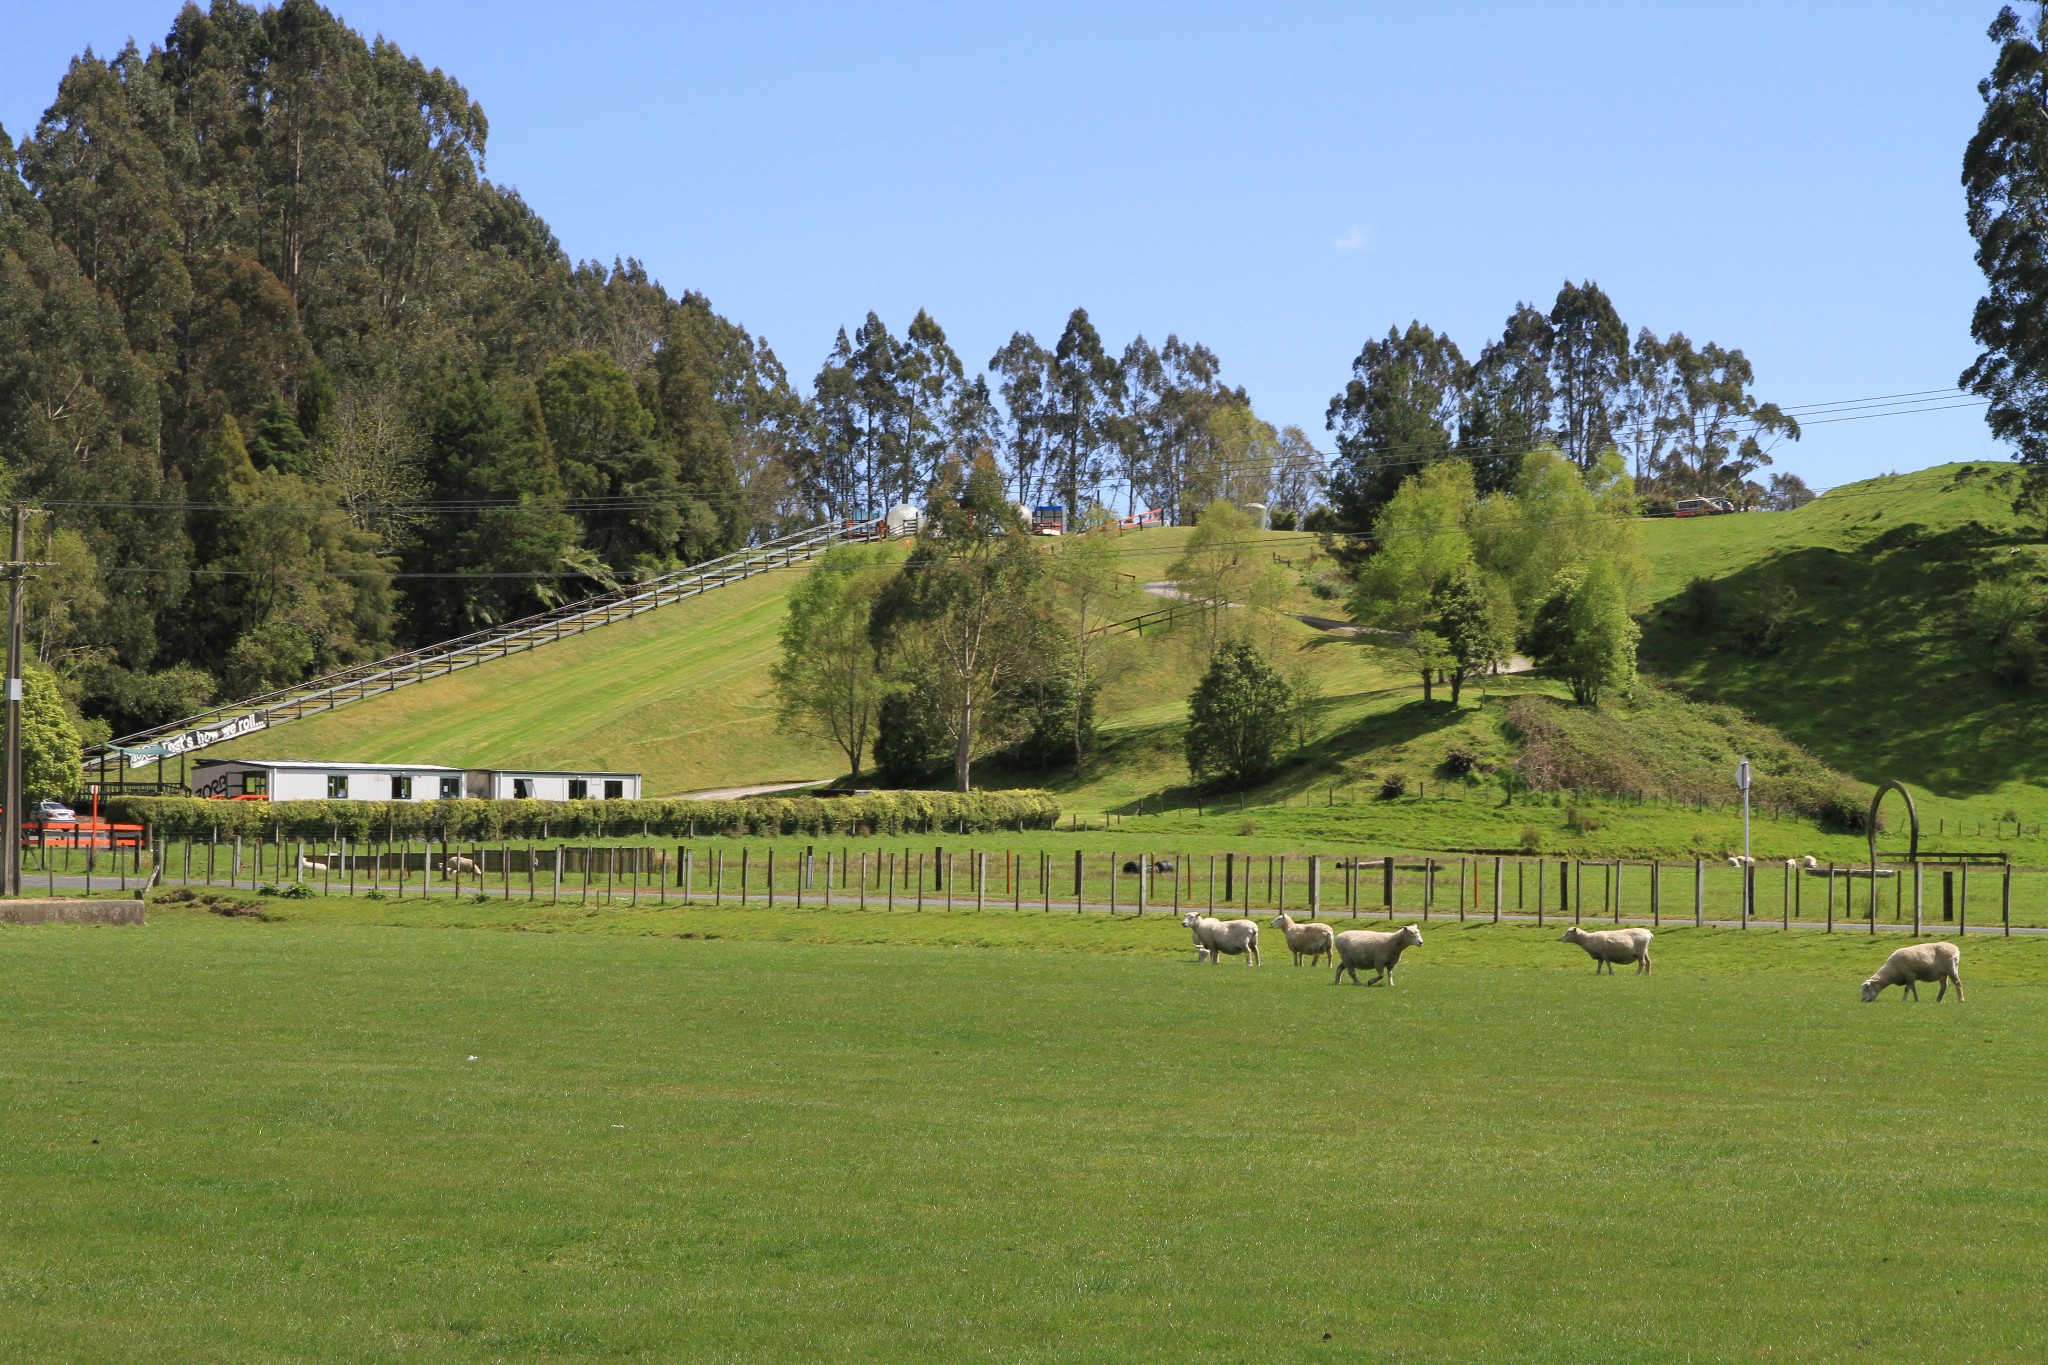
x,y
80,833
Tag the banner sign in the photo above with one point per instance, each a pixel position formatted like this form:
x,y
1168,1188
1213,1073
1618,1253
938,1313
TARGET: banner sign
x,y
198,739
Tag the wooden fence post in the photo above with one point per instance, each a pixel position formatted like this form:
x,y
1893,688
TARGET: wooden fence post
x,y
1699,892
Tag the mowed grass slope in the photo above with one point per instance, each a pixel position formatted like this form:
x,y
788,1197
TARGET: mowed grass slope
x,y
235,1140
681,695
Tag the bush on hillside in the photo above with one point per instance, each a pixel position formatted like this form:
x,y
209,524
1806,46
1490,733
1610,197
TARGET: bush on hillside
x,y
911,745
1847,813
1393,787
1238,718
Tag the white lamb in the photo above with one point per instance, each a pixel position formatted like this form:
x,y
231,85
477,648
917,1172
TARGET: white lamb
x,y
1922,962
1810,863
1313,939
1219,936
1368,948
1609,946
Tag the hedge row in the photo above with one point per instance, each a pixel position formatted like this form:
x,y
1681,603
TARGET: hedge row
x,y
901,812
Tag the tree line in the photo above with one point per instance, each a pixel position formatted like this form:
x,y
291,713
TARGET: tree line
x,y
1684,416
300,385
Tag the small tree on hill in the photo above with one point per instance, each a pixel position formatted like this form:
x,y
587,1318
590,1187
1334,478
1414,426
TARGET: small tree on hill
x,y
1238,718
1584,634
1475,621
829,677
49,741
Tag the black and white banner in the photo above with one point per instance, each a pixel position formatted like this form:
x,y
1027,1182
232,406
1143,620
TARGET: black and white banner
x,y
197,739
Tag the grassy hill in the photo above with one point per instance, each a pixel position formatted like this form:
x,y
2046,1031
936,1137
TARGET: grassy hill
x,y
1841,626
1823,644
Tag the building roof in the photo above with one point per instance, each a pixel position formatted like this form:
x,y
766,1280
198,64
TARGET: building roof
x,y
312,765
550,772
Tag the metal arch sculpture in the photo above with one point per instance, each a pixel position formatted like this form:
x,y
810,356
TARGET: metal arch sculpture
x,y
1870,826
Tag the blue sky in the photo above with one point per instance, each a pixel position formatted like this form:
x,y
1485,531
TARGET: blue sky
x,y
1279,181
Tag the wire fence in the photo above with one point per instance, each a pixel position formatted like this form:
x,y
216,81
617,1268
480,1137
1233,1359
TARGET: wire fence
x,y
1958,891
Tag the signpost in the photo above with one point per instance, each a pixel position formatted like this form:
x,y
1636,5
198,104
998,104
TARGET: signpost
x,y
1748,865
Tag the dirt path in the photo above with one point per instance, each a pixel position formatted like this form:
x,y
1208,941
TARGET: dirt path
x,y
763,789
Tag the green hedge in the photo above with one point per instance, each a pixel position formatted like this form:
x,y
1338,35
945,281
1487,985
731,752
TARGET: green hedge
x,y
903,812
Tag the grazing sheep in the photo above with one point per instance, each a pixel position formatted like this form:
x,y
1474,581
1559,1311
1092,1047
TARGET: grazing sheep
x,y
1233,936
459,865
1741,860
1316,940
1366,948
1922,962
312,864
1810,863
1609,946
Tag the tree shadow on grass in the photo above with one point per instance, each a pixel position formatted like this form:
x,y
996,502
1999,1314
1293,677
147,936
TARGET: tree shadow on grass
x,y
1869,669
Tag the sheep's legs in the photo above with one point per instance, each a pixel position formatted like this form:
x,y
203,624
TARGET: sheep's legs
x,y
1911,992
1957,978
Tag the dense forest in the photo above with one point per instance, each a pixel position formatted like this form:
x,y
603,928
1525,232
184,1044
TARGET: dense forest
x,y
295,384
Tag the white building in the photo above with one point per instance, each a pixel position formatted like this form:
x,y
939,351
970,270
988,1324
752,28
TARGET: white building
x,y
540,784
307,780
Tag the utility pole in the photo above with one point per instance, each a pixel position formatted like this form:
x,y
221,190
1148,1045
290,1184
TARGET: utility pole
x,y
17,568
10,801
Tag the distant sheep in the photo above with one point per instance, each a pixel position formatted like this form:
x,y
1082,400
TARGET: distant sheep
x,y
1382,952
1609,946
1133,867
1741,860
312,864
458,865
1233,936
1313,940
1810,863
1921,962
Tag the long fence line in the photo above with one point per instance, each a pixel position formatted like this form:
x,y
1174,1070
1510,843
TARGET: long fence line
x,y
1936,890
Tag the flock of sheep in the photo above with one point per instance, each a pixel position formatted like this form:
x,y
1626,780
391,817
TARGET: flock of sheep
x,y
1380,952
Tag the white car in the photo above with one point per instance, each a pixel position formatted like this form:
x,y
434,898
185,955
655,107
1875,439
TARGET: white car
x,y
55,813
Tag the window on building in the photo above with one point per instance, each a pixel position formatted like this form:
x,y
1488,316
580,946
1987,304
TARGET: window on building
x,y
255,784
579,789
613,789
401,787
337,786
522,789
451,789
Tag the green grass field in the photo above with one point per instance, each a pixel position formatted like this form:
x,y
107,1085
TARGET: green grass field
x,y
228,1139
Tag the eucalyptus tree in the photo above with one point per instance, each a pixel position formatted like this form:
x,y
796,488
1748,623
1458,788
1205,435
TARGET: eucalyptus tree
x,y
1589,363
2005,181
1398,412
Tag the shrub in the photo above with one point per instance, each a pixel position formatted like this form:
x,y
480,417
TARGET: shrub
x,y
1847,813
1392,786
1460,761
888,812
1238,717
1579,820
1248,828
1532,839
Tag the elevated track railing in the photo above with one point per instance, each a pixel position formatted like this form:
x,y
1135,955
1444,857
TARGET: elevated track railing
x,y
109,764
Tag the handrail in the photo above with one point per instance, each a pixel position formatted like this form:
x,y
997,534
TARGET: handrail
x,y
416,665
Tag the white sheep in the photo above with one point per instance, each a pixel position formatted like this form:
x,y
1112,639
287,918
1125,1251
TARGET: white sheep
x,y
1810,863
458,864
1741,860
1233,936
1312,939
312,864
1609,946
1367,948
1921,962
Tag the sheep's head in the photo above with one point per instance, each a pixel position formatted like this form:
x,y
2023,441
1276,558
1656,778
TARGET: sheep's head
x,y
1280,921
1570,935
1871,988
1187,921
1412,936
